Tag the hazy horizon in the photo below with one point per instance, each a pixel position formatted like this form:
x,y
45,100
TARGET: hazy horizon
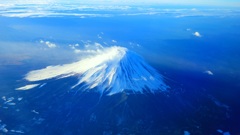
x,y
215,3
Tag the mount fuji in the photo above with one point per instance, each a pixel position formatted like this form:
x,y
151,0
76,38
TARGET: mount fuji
x,y
109,71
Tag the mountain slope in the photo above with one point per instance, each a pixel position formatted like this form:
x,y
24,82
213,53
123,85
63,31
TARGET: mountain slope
x,y
112,70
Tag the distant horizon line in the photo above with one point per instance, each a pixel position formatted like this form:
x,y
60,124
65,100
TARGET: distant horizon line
x,y
183,4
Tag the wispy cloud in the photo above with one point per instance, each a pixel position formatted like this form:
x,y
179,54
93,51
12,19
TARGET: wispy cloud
x,y
87,48
12,59
48,44
27,87
44,9
133,45
114,41
100,35
233,3
208,72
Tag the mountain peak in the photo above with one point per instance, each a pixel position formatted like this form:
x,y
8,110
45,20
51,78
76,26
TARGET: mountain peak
x,y
112,70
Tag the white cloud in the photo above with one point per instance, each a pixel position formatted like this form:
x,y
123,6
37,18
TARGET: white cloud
x,y
77,51
74,68
48,44
88,48
133,45
114,41
41,41
197,34
209,72
74,48
98,45
45,9
142,13
126,2
100,37
27,87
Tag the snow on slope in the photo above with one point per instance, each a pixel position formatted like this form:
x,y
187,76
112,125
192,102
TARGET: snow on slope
x,y
112,70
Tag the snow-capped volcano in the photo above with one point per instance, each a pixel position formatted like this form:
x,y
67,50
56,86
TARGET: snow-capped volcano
x,y
111,70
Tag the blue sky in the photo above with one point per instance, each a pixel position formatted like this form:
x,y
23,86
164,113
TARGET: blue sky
x,y
178,2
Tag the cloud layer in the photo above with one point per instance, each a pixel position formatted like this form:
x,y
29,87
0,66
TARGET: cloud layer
x,y
46,9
